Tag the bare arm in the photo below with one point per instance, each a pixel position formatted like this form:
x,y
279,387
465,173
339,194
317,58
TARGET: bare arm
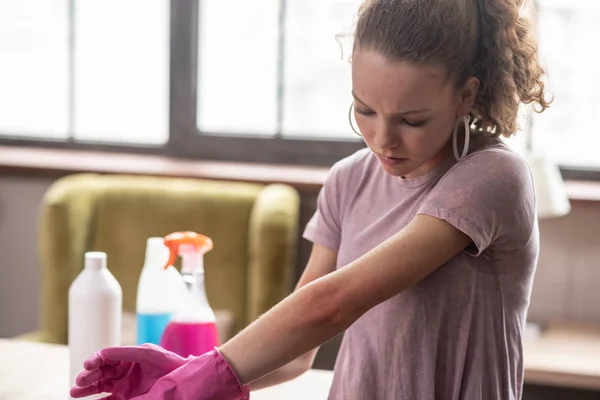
x,y
327,306
321,262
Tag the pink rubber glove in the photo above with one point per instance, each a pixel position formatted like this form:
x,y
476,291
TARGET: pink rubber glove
x,y
207,377
125,371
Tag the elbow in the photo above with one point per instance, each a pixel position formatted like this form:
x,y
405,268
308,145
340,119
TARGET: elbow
x,y
304,362
328,306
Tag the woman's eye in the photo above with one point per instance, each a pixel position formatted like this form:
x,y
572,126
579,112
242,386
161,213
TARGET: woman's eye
x,y
415,124
364,112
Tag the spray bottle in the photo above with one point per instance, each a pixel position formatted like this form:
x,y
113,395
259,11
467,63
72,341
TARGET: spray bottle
x,y
193,329
159,293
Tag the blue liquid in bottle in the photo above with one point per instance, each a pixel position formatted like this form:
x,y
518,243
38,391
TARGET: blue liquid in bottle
x,y
150,327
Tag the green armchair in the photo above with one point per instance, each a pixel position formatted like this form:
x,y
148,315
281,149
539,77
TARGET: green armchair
x,y
254,228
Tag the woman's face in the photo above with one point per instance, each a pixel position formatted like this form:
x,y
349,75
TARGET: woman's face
x,y
405,112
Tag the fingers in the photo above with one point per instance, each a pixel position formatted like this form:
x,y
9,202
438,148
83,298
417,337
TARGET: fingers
x,y
87,378
78,392
101,386
126,353
97,360
95,388
92,362
117,354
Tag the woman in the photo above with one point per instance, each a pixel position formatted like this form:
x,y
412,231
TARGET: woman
x,y
425,243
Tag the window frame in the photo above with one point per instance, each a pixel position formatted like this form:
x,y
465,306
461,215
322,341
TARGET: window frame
x,y
186,141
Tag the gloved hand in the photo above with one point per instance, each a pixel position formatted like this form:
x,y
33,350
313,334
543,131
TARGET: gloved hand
x,y
207,377
126,371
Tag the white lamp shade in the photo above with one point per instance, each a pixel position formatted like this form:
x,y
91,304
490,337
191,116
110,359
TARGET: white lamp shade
x,y
551,197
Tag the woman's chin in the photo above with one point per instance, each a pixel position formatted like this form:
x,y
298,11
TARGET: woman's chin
x,y
397,170
395,166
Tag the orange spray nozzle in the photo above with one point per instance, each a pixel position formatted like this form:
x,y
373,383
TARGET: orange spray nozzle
x,y
174,241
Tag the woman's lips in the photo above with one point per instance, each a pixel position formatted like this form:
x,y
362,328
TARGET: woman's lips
x,y
392,161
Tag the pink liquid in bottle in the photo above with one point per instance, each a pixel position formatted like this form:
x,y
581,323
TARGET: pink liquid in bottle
x,y
190,338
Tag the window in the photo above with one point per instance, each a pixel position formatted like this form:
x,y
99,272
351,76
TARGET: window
x,y
121,71
238,74
89,71
568,33
34,100
272,80
263,80
276,66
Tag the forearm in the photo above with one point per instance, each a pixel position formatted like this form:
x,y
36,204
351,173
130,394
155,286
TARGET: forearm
x,y
298,324
327,306
286,373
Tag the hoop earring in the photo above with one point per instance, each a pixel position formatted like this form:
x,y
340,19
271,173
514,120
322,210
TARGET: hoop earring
x,y
465,150
350,120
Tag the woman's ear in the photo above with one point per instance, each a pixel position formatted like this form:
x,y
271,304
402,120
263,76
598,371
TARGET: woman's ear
x,y
469,95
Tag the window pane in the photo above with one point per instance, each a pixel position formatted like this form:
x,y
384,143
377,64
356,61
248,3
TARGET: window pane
x,y
567,131
34,68
122,71
237,66
317,70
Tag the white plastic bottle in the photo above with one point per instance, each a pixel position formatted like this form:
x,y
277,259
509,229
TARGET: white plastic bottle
x,y
159,293
95,312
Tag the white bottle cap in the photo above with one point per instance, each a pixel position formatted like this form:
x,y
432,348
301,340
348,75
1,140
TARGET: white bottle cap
x,y
95,260
156,252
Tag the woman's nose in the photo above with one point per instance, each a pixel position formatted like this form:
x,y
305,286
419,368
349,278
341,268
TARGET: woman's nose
x,y
386,136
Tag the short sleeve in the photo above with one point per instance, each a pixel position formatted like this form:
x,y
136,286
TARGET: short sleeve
x,y
324,228
490,197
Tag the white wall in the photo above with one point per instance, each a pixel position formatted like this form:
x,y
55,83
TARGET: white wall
x,y
20,198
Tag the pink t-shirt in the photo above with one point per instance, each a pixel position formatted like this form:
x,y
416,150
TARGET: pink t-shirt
x,y
457,334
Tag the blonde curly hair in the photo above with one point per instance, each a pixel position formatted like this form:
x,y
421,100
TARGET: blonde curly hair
x,y
488,39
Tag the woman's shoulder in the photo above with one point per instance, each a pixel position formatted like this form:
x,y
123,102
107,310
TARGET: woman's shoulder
x,y
493,159
491,172
489,195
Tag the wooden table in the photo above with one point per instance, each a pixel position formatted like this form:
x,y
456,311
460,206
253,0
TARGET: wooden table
x,y
36,371
564,356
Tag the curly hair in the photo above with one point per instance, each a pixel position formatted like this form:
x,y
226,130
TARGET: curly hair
x,y
488,39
